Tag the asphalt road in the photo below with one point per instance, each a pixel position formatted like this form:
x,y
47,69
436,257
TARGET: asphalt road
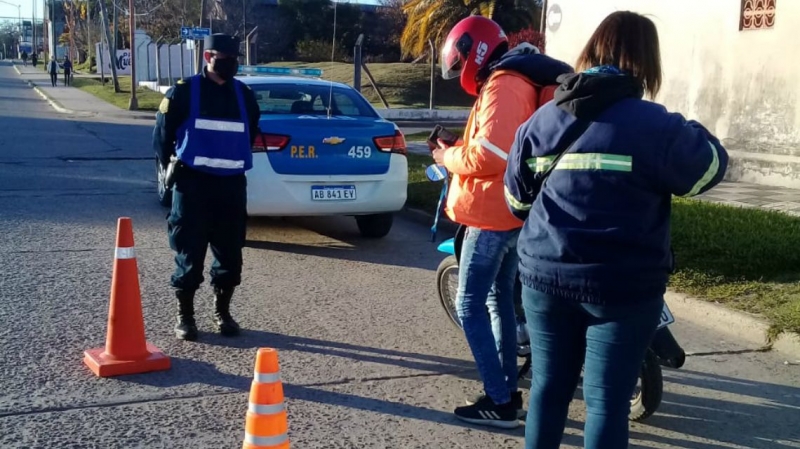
x,y
368,358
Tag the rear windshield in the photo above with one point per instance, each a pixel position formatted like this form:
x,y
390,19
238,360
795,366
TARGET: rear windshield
x,y
303,99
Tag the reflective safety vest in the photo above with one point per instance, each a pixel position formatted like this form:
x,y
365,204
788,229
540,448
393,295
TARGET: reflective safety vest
x,y
212,145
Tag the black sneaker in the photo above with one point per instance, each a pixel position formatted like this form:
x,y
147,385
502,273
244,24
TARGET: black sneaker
x,y
486,412
516,399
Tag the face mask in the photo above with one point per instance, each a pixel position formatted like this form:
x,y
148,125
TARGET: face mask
x,y
226,68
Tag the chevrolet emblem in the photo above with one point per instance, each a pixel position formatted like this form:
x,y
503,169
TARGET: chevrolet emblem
x,y
333,140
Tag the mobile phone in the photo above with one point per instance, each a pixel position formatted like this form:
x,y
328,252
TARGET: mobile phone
x,y
439,132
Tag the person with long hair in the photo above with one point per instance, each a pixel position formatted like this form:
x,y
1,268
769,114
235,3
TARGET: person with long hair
x,y
593,173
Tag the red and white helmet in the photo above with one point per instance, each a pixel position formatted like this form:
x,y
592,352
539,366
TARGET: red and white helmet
x,y
467,50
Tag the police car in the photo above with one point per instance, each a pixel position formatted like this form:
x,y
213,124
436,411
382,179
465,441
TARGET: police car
x,y
323,150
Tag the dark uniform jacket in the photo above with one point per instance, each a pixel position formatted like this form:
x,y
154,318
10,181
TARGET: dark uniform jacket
x,y
599,229
216,101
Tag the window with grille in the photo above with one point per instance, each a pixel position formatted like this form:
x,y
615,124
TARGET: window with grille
x,y
757,15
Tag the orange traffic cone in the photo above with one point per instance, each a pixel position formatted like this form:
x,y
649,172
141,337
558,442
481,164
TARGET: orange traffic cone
x,y
266,426
126,351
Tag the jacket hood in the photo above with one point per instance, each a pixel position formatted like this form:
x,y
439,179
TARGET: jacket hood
x,y
585,95
526,60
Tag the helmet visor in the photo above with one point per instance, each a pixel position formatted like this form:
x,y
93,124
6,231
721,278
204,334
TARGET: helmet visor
x,y
451,63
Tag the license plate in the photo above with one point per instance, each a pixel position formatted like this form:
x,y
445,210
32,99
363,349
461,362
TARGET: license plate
x,y
333,193
666,317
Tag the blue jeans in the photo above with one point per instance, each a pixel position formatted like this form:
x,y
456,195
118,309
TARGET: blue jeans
x,y
610,342
487,270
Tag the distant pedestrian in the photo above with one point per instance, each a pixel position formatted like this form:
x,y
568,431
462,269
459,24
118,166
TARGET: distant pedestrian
x,y
208,122
24,57
52,69
34,59
67,70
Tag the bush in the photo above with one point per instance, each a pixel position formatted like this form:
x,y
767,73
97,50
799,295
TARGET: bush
x,y
318,51
528,35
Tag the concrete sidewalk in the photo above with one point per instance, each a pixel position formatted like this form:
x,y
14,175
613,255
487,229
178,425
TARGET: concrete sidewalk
x,y
71,100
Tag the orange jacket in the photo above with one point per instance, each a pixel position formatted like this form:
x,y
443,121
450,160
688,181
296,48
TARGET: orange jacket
x,y
476,197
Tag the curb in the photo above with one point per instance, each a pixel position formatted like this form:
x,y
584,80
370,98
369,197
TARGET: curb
x,y
47,98
134,116
741,325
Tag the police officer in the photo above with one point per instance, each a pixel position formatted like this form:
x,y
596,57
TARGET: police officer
x,y
207,124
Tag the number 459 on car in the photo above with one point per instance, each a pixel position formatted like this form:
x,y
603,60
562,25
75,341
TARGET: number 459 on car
x,y
360,152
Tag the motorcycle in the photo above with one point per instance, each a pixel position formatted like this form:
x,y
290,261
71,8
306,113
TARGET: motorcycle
x,y
664,350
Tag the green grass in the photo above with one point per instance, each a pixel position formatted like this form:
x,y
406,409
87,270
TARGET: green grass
x,y
744,259
148,99
403,85
422,193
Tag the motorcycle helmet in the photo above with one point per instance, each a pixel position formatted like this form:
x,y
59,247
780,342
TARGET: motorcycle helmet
x,y
468,48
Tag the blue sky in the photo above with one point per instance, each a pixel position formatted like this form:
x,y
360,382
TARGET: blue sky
x,y
7,10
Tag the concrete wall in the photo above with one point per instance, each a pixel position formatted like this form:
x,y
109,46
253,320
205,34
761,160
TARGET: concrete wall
x,y
743,85
169,59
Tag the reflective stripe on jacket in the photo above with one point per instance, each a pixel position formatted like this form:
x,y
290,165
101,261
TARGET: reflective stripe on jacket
x,y
476,195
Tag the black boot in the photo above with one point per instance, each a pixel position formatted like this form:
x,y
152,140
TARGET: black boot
x,y
186,329
222,304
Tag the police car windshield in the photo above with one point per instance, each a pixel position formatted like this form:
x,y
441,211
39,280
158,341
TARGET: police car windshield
x,y
303,99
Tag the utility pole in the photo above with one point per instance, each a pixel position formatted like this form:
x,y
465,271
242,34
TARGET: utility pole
x,y
133,105
116,33
89,33
34,48
198,44
113,64
52,30
247,59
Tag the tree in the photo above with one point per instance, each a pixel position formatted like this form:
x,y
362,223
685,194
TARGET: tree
x,y
164,18
8,37
383,39
75,15
312,20
433,19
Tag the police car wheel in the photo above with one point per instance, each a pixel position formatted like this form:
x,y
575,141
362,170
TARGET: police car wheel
x,y
164,194
374,226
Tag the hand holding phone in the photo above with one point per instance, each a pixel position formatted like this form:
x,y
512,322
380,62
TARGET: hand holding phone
x,y
439,132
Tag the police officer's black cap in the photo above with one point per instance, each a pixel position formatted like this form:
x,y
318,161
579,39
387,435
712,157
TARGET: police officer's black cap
x,y
222,43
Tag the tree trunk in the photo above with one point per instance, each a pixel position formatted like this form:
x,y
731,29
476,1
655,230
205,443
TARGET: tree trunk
x,y
112,54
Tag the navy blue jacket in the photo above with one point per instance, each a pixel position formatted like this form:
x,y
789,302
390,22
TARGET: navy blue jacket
x,y
598,231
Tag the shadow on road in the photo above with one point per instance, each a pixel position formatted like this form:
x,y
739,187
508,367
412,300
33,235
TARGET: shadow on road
x,y
437,365
201,372
417,251
757,420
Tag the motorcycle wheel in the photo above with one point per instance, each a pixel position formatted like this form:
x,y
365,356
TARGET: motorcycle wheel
x,y
647,396
447,287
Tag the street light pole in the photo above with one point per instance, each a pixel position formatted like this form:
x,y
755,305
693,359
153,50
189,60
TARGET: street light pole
x,y
33,29
134,103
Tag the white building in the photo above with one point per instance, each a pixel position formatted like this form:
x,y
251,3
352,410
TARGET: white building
x,y
733,65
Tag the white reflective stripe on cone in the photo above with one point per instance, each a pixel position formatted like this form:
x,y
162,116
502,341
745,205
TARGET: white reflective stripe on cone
x,y
219,125
124,253
265,441
218,163
266,378
265,409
